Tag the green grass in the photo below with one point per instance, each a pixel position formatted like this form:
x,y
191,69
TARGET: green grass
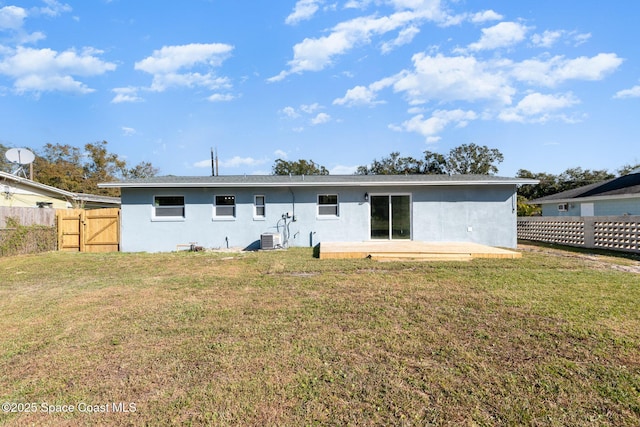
x,y
282,338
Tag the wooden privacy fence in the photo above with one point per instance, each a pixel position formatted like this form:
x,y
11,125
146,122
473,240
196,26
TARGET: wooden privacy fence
x,y
28,216
93,230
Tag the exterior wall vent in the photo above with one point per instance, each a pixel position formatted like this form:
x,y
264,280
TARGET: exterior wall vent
x,y
270,241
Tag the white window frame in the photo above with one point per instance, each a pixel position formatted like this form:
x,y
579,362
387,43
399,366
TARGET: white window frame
x,y
155,206
256,206
224,217
563,207
320,215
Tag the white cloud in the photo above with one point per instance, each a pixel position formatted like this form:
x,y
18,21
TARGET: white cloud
x,y
53,8
405,36
221,97
170,59
126,94
238,161
321,118
12,17
581,38
559,69
315,54
539,108
359,95
128,131
504,34
303,10
45,70
281,154
634,92
310,108
484,16
439,121
458,78
173,66
547,38
290,112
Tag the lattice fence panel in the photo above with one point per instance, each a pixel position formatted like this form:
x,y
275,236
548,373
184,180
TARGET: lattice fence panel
x,y
561,232
620,235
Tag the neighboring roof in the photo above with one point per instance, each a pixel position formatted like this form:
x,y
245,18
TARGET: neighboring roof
x,y
621,187
64,194
313,181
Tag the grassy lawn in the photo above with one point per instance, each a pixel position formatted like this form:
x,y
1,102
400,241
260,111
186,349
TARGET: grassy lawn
x,y
282,338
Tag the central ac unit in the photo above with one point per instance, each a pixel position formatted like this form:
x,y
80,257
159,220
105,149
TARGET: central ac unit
x,y
269,241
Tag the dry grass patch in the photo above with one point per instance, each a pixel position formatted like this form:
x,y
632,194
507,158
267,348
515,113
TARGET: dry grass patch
x,y
281,338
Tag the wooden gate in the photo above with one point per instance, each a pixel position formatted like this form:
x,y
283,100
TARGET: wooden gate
x,y
93,230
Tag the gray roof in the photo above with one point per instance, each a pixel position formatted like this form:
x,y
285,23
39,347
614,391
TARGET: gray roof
x,y
64,194
624,186
314,181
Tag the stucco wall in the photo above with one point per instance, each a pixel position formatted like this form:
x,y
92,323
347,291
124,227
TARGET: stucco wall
x,y
625,206
482,214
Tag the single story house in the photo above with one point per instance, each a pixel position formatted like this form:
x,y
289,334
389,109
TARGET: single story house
x,y
613,197
169,212
16,191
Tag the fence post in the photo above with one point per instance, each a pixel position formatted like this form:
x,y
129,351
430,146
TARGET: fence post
x,y
589,232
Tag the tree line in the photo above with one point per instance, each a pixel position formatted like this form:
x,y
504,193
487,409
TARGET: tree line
x,y
466,159
79,170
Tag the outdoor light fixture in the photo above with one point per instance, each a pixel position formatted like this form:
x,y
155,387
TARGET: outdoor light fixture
x,y
366,197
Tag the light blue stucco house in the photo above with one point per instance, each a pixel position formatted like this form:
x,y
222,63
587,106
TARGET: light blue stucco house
x,y
613,197
172,212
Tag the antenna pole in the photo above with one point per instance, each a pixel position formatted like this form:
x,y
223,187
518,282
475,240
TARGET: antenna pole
x,y
217,168
213,166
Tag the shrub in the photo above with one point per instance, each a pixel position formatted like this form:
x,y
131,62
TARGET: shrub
x,y
19,239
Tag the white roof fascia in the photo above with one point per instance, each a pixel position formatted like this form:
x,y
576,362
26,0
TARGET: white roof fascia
x,y
29,183
591,199
309,184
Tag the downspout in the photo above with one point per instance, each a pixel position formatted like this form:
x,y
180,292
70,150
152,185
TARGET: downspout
x,y
293,204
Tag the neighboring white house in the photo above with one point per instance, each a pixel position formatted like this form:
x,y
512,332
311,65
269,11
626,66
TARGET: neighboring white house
x,y
16,191
163,213
613,197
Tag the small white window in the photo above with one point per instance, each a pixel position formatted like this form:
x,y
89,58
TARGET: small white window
x,y
259,205
563,207
225,206
168,206
328,205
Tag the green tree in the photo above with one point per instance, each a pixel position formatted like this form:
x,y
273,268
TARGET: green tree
x,y
473,159
5,165
434,163
299,167
392,165
465,159
81,170
627,169
141,170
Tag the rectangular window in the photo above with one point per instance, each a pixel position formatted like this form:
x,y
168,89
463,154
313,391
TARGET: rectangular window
x,y
168,206
328,205
225,206
259,203
563,207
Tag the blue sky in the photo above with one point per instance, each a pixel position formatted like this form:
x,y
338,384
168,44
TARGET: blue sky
x,y
551,84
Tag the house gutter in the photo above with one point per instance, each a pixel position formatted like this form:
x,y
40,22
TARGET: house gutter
x,y
310,184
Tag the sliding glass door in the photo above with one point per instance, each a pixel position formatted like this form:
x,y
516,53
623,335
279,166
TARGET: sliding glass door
x,y
390,216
